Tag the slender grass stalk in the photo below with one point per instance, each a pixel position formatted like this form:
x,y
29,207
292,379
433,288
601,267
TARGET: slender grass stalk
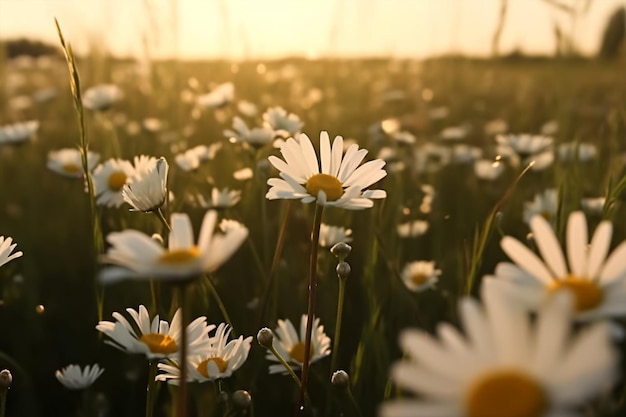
x,y
340,300
162,219
315,237
152,386
613,193
220,304
353,403
98,240
277,253
181,407
3,402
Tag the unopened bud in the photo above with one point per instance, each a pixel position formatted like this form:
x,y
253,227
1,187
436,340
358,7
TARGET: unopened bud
x,y
343,270
242,399
340,379
341,250
158,238
265,337
6,379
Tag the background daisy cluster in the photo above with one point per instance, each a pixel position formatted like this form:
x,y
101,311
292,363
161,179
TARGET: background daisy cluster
x,y
454,136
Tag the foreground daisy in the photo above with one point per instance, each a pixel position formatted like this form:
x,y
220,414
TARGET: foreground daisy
x,y
6,249
156,339
290,344
147,189
219,359
505,367
420,275
139,256
595,278
341,182
68,162
109,179
73,377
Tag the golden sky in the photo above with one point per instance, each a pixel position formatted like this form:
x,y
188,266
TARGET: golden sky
x,y
273,28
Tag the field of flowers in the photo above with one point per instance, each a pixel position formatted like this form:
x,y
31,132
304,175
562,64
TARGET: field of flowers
x,y
461,223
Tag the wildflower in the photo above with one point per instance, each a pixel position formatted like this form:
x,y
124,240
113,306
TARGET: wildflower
x,y
420,275
109,180
330,235
68,162
101,97
220,96
540,161
340,183
247,108
413,228
505,366
73,377
148,187
525,144
593,205
18,132
218,359
243,174
191,158
486,169
156,339
137,255
290,345
282,123
453,133
573,151
257,137
223,198
595,278
463,153
5,250
544,204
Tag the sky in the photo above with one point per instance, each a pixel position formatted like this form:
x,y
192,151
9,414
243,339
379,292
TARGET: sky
x,y
253,29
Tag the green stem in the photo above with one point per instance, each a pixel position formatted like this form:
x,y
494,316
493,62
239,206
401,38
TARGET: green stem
x,y
220,304
315,238
289,370
162,219
353,402
277,253
341,296
182,387
151,394
3,402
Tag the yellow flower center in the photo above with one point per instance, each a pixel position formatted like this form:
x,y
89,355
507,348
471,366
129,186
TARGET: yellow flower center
x,y
587,294
203,367
331,186
117,180
159,343
506,393
297,352
179,256
71,168
419,278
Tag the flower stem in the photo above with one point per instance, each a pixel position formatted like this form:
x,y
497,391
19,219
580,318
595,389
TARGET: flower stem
x,y
3,402
341,296
315,237
162,219
182,387
151,392
220,304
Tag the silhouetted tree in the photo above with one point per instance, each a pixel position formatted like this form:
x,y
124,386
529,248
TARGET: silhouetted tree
x,y
23,46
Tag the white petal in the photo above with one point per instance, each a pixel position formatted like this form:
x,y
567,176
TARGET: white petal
x,y
325,157
181,236
615,266
599,248
577,243
526,259
549,246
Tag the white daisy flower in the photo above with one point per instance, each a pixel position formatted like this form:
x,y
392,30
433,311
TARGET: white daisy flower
x,y
593,205
404,137
219,359
138,256
596,278
109,179
586,152
540,161
247,108
191,158
282,123
463,153
257,137
156,339
223,198
420,275
488,170
101,97
6,249
545,204
505,366
453,133
525,144
243,174
290,345
73,377
340,183
68,162
218,97
148,187
331,235
413,228
18,132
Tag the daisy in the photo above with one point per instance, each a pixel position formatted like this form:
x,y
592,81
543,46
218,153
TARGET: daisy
x,y
540,161
282,123
340,183
420,275
290,345
544,204
109,179
488,170
247,108
220,96
156,339
101,97
137,255
73,377
593,205
243,174
18,132
191,158
223,198
413,228
219,359
68,162
582,152
257,137
453,133
596,278
5,250
463,153
525,144
505,366
331,235
147,189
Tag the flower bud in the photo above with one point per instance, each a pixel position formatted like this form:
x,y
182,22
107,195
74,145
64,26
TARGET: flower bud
x,y
340,379
6,379
343,270
341,250
242,399
265,337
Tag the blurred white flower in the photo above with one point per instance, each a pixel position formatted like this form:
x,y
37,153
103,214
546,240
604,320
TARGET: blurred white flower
x,y
593,206
247,108
540,161
258,136
586,152
220,199
453,133
545,204
6,247
420,275
73,377
525,144
18,132
413,228
550,128
462,153
331,235
220,96
488,170
68,162
101,97
282,123
496,127
243,174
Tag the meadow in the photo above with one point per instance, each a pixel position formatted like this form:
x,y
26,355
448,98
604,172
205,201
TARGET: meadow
x,y
453,190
